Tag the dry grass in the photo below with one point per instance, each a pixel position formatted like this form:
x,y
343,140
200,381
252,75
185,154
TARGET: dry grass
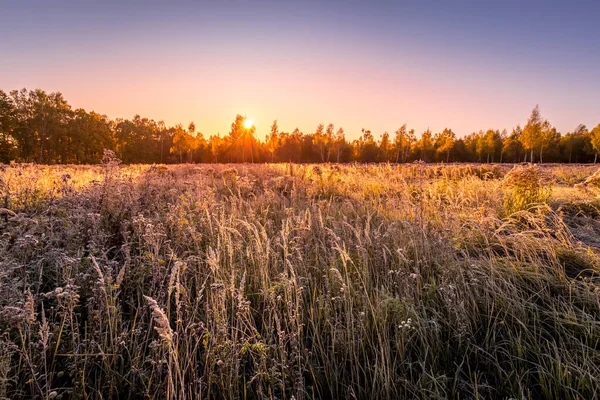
x,y
281,281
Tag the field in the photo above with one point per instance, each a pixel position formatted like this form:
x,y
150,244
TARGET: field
x,y
299,281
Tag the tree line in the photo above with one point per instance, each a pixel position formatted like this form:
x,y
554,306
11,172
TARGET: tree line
x,y
41,127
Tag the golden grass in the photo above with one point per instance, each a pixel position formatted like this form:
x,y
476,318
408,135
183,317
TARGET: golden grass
x,y
281,281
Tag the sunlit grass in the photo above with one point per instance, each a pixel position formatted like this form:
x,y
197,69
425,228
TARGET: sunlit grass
x,y
273,281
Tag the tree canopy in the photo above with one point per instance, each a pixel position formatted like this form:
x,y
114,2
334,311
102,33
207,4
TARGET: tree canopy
x,y
41,127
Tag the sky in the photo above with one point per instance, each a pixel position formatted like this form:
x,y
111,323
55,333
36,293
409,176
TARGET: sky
x,y
465,65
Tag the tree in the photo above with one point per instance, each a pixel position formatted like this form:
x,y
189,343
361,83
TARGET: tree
x,y
36,126
366,147
385,147
425,145
184,142
242,140
41,130
217,146
573,144
236,139
550,141
537,133
320,141
196,141
411,140
140,140
444,142
339,144
90,133
491,142
500,143
511,145
402,143
595,141
481,146
290,146
8,122
272,142
330,139
460,152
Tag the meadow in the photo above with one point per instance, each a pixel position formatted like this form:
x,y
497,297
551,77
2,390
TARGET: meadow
x,y
283,281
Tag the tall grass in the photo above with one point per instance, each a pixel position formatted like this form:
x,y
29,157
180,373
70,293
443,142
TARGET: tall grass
x,y
282,281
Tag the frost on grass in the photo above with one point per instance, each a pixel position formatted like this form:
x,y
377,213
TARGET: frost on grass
x,y
298,281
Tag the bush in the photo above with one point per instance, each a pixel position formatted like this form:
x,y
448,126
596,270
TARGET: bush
x,y
525,186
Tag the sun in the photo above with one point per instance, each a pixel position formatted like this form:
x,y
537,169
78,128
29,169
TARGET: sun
x,y
248,123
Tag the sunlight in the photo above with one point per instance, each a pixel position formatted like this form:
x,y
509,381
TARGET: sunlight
x,y
248,123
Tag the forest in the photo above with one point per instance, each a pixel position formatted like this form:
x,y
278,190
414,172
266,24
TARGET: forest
x,y
41,127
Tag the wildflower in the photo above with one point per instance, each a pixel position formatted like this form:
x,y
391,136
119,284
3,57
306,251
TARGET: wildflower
x,y
110,158
14,314
406,325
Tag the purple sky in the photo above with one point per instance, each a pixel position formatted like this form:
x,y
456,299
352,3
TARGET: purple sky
x,y
357,64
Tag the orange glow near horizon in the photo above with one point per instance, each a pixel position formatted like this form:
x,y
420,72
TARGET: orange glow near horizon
x,y
443,67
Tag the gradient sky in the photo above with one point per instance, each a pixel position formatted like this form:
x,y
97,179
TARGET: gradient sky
x,y
358,64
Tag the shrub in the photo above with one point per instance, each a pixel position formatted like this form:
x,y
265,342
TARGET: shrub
x,y
525,186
